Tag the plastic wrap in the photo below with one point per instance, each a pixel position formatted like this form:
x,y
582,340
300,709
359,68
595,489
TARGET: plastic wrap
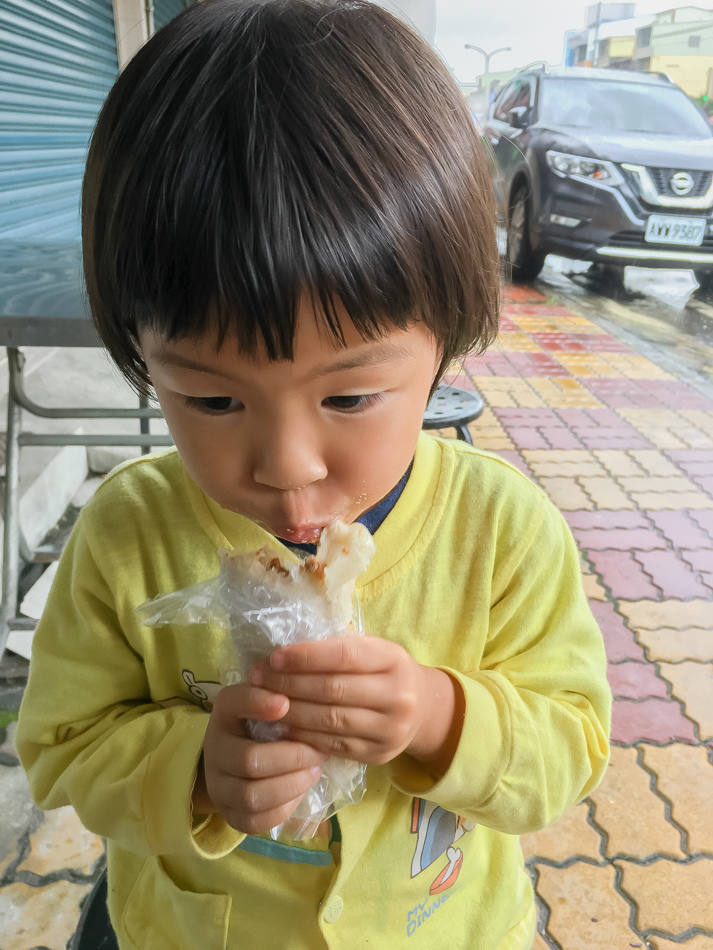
x,y
263,604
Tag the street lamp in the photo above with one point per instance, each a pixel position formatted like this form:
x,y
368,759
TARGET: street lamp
x,y
488,56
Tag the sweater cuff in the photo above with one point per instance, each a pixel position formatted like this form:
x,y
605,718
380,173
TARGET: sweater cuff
x,y
481,756
167,796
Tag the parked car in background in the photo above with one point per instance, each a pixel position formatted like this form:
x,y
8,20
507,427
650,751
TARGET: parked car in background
x,y
604,165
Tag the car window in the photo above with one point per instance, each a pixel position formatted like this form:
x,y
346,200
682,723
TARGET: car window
x,y
518,94
610,106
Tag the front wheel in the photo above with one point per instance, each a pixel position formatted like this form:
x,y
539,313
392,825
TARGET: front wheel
x,y
524,262
704,279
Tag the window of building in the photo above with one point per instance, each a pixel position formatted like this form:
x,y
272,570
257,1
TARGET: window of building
x,y
694,42
643,37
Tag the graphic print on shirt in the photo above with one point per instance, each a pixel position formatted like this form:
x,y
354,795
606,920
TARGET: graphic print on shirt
x,y
437,831
204,691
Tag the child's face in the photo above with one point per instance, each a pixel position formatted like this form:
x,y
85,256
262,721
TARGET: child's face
x,y
292,445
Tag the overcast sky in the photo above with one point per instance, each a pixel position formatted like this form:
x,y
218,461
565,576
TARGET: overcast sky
x,y
534,30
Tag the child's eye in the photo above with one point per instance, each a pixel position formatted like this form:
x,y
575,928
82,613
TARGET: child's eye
x,y
353,403
217,405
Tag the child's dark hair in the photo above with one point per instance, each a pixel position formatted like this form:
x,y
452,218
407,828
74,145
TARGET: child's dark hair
x,y
256,150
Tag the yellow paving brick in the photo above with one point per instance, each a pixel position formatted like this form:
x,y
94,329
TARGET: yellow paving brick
x,y
635,832
618,463
671,897
606,493
566,494
674,501
568,836
652,614
649,483
563,393
488,433
699,418
592,588
575,324
557,462
533,324
507,392
692,683
669,644
586,364
540,943
634,366
585,910
653,463
699,942
32,917
685,776
516,343
667,429
62,841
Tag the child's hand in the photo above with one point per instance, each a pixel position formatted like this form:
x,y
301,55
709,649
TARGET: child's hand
x,y
366,699
253,785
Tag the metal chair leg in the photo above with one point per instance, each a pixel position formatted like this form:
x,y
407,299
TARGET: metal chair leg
x,y
464,434
11,513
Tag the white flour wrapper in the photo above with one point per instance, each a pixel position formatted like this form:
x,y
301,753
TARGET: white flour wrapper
x,y
263,603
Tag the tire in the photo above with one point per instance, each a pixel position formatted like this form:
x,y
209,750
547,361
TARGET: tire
x,y
525,263
704,279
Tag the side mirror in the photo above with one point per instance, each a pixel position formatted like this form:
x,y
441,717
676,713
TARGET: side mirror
x,y
516,117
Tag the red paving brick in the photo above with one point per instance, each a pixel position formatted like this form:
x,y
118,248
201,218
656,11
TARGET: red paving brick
x,y
515,459
558,342
632,680
649,720
620,539
704,519
700,561
618,640
681,529
624,394
604,520
672,576
601,343
622,575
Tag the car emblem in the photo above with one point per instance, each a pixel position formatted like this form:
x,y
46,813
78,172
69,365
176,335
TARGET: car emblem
x,y
681,183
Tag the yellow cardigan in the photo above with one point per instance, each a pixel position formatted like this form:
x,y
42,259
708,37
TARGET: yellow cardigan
x,y
475,572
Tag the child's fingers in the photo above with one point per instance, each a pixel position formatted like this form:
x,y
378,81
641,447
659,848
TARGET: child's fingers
x,y
234,704
308,718
341,654
366,691
241,758
256,824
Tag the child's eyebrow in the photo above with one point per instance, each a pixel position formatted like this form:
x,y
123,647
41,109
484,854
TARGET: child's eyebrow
x,y
377,353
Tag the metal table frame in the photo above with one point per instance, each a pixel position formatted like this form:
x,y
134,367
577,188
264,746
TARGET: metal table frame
x,y
15,547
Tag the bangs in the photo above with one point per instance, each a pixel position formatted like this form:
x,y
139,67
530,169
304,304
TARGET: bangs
x,y
255,152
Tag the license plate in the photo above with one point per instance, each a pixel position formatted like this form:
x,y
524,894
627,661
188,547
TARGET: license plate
x,y
674,229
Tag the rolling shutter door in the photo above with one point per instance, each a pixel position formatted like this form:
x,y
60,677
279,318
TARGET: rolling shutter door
x,y
165,10
58,61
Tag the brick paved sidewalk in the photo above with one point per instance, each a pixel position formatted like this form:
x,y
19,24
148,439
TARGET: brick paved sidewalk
x,y
626,452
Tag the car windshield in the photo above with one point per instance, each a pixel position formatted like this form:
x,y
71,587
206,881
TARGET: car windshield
x,y
610,106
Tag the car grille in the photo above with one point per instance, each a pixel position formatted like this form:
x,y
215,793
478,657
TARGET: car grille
x,y
636,239
661,178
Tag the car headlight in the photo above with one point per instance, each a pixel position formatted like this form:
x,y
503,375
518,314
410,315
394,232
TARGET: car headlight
x,y
583,169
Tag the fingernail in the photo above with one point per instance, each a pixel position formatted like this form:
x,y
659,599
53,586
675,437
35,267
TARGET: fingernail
x,y
277,660
255,678
316,770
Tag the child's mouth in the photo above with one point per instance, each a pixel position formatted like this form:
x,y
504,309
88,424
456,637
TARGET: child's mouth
x,y
300,534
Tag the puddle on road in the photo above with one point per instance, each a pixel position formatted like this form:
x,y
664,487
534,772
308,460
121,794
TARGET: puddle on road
x,y
666,295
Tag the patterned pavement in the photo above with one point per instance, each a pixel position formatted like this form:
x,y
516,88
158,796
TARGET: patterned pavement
x,y
626,452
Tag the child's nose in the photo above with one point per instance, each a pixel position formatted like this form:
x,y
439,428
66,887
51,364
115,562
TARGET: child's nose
x,y
288,459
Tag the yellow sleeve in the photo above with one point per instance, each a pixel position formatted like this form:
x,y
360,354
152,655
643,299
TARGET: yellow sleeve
x,y
536,727
89,734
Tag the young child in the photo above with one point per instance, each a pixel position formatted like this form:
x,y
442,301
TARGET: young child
x,y
288,237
